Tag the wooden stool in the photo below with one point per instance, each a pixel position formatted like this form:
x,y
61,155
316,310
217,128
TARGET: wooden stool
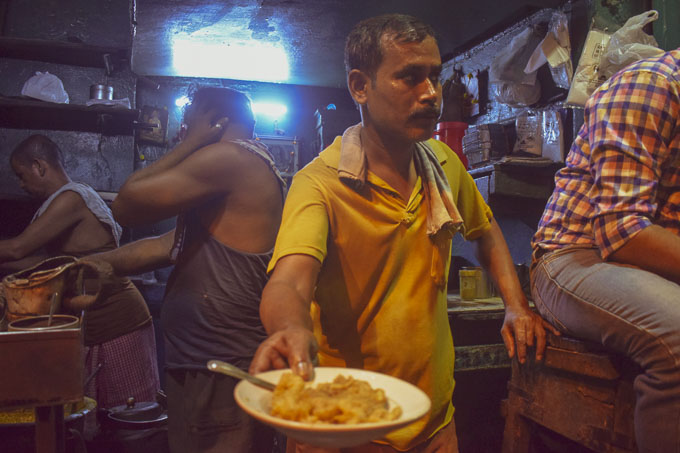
x,y
579,391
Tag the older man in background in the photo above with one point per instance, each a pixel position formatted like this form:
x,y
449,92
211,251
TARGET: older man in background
x,y
74,220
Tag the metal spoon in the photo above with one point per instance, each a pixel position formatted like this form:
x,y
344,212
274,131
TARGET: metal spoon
x,y
225,368
52,307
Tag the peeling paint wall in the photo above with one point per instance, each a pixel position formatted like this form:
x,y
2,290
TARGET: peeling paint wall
x,y
101,161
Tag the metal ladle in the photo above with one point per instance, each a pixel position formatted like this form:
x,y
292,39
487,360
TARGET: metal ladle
x,y
53,304
230,370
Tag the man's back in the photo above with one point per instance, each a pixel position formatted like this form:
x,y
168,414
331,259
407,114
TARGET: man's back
x,y
211,306
247,216
87,234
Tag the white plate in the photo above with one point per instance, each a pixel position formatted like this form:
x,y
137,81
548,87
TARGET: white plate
x,y
413,401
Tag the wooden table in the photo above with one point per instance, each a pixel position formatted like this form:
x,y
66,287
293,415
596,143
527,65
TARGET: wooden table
x,y
43,370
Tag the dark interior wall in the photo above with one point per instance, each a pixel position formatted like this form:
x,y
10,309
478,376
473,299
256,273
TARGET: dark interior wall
x,y
101,161
95,22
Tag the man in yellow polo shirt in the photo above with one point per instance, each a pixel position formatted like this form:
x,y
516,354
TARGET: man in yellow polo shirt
x,y
365,240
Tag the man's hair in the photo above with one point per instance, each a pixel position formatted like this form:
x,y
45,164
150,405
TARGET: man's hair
x,y
37,147
227,103
363,48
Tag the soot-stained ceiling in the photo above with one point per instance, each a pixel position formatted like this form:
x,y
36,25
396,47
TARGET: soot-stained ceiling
x,y
293,41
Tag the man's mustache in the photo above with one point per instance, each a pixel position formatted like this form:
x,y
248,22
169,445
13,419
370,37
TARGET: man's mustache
x,y
425,113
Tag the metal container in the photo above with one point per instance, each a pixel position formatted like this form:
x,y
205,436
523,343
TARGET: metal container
x,y
468,284
99,91
474,284
30,292
39,323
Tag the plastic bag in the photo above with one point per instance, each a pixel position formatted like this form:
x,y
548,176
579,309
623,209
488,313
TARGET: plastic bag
x,y
587,78
629,44
555,49
528,126
46,87
551,128
516,94
508,82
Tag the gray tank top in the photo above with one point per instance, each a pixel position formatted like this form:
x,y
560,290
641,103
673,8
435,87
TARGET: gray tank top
x,y
211,305
211,308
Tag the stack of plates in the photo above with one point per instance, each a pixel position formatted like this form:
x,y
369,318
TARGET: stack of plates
x,y
484,142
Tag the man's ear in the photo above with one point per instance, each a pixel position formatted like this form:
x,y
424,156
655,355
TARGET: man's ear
x,y
357,82
39,166
222,121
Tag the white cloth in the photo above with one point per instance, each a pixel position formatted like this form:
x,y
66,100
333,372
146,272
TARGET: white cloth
x,y
442,213
94,203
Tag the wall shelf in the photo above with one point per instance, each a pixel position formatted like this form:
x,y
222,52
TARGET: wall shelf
x,y
34,114
62,52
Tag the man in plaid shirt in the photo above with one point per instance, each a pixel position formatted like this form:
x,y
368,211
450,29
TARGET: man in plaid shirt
x,y
606,262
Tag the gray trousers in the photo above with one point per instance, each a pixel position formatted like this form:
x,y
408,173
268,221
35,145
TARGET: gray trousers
x,y
203,416
631,311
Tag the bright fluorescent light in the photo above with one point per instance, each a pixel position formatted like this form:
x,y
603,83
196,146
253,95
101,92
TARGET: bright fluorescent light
x,y
182,101
270,109
245,60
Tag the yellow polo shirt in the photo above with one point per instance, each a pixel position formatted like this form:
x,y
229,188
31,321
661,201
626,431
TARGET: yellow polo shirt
x,y
376,306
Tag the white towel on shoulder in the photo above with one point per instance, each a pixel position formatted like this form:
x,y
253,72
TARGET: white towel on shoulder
x,y
94,203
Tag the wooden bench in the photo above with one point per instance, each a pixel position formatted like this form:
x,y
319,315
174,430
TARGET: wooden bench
x,y
580,394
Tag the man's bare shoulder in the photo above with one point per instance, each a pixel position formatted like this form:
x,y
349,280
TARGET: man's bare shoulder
x,y
68,201
227,157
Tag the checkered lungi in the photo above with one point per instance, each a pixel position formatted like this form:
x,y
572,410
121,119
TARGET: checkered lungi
x,y
129,368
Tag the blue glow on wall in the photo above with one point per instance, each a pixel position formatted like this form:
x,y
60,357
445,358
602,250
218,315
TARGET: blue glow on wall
x,y
238,60
272,110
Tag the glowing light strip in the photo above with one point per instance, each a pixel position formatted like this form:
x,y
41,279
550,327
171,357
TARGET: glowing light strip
x,y
249,60
269,109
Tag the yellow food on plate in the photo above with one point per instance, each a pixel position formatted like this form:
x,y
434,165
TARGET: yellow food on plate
x,y
344,401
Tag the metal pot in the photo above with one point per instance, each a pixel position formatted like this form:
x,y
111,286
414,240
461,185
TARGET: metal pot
x,y
134,428
39,323
29,292
134,415
99,91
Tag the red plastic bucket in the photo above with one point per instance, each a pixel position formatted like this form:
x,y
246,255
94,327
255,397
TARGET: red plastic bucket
x,y
451,133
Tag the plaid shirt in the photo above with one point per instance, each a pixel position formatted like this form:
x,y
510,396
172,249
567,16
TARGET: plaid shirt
x,y
622,173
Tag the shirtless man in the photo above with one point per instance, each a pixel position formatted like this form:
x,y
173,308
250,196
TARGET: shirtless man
x,y
229,198
73,220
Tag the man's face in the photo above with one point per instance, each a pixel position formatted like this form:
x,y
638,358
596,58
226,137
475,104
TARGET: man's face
x,y
29,178
404,99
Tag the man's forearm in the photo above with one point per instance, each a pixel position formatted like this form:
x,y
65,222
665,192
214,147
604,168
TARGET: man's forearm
x,y
23,263
12,250
276,315
492,252
169,160
140,256
128,205
654,249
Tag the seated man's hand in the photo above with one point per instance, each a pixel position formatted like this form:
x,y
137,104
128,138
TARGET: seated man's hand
x,y
295,348
524,328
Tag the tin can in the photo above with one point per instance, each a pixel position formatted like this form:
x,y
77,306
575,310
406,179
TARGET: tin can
x,y
468,283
